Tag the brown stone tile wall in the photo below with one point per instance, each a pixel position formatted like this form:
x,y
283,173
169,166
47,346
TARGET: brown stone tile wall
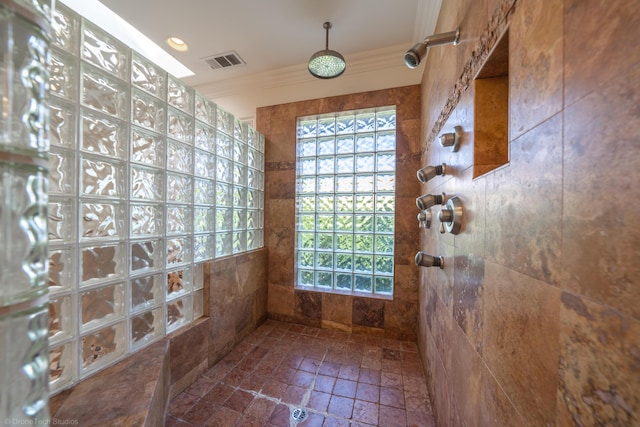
x,y
235,294
535,318
236,302
393,319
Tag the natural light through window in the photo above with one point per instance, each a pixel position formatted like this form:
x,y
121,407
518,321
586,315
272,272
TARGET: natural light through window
x,y
345,201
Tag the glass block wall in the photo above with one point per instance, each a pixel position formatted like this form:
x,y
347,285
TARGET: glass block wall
x,y
148,180
24,145
345,201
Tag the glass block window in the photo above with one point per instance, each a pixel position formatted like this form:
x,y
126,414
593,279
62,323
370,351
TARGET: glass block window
x,y
148,180
345,201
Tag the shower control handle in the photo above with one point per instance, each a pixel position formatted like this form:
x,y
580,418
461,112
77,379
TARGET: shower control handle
x,y
450,216
424,218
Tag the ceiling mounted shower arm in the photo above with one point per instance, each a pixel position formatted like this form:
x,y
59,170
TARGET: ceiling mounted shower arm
x,y
327,26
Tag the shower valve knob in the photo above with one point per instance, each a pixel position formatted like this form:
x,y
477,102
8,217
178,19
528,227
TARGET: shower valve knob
x,y
450,216
452,139
424,218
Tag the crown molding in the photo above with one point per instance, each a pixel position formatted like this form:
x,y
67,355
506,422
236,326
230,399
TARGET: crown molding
x,y
357,64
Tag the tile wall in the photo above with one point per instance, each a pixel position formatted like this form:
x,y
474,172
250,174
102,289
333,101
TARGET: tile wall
x,y
390,318
535,319
235,304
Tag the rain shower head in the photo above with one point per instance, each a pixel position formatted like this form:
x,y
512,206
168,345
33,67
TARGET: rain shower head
x,y
327,63
414,55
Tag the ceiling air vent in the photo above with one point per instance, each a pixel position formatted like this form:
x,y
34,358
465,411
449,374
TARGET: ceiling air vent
x,y
224,60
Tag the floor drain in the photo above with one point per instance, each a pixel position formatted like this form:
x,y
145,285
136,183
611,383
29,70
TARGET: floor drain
x,y
298,415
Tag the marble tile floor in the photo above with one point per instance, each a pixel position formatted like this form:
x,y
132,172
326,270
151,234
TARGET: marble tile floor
x,y
338,378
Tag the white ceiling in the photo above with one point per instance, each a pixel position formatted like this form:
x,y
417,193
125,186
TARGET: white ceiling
x,y
279,36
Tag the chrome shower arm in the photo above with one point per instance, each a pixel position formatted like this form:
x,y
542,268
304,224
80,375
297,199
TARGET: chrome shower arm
x,y
442,38
414,55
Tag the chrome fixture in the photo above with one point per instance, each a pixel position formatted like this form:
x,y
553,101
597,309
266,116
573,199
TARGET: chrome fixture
x,y
426,260
427,200
428,172
414,55
450,216
452,139
326,64
424,218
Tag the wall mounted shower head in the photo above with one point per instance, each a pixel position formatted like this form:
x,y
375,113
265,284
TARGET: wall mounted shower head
x,y
427,200
428,172
414,55
426,260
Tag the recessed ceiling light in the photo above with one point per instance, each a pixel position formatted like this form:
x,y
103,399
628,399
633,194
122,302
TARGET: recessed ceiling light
x,y
108,20
177,44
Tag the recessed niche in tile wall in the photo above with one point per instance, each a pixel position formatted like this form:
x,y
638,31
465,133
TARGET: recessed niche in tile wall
x,y
491,110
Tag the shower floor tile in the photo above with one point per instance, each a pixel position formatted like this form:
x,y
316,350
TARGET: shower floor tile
x,y
340,379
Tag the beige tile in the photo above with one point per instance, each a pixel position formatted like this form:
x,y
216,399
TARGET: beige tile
x,y
196,340
491,6
462,116
429,363
281,299
536,67
408,109
407,219
445,276
336,308
407,184
428,304
520,336
400,319
599,364
443,397
308,307
368,312
472,193
408,138
595,52
406,282
252,274
280,242
468,296
524,201
279,212
496,408
281,184
466,379
443,325
601,224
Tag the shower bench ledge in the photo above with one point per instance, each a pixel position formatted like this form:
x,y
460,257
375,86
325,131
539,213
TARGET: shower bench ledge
x,y
133,392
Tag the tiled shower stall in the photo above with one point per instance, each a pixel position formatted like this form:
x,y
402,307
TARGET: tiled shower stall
x,y
533,320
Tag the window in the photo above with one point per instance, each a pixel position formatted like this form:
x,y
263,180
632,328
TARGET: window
x,y
345,201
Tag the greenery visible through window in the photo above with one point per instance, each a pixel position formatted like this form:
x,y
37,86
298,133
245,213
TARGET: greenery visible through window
x,y
345,201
